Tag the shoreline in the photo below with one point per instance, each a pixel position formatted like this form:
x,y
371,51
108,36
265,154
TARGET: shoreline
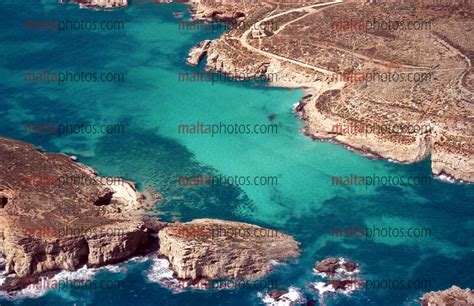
x,y
420,148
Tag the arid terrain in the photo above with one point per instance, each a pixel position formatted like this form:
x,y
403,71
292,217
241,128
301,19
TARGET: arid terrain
x,y
387,79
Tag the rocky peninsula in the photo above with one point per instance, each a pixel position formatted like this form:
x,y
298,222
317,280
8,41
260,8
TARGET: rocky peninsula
x,y
401,93
57,214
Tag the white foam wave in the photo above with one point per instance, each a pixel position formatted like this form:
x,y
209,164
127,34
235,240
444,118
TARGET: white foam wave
x,y
341,278
340,273
445,178
275,263
45,284
293,297
161,273
322,288
139,259
116,268
3,273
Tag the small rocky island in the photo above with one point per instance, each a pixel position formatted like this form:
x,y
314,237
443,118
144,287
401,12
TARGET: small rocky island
x,y
224,249
57,214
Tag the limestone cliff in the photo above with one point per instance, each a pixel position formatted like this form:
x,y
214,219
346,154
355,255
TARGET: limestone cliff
x,y
59,215
216,249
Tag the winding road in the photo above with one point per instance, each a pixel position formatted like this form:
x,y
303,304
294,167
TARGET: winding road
x,y
310,9
244,37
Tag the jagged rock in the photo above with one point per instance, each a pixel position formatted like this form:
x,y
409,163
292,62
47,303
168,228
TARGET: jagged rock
x,y
328,265
18,283
333,265
215,249
453,296
276,294
198,52
342,284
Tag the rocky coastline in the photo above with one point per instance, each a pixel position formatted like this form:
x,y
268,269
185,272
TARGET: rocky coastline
x,y
337,101
59,215
265,44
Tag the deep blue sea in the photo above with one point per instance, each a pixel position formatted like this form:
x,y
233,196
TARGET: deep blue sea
x,y
150,52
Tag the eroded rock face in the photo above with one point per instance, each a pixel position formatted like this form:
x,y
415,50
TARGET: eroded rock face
x,y
29,256
215,249
453,296
52,220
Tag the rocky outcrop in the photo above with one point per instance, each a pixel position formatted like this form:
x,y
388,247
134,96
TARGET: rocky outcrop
x,y
335,266
339,274
215,249
60,215
198,52
292,296
453,296
104,4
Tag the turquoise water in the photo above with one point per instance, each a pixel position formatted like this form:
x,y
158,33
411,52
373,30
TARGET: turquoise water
x,y
151,103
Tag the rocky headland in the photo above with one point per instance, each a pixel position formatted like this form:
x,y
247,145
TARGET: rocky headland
x,y
327,48
57,214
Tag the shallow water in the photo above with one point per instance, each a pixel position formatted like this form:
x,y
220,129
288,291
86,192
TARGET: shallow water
x,y
152,103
